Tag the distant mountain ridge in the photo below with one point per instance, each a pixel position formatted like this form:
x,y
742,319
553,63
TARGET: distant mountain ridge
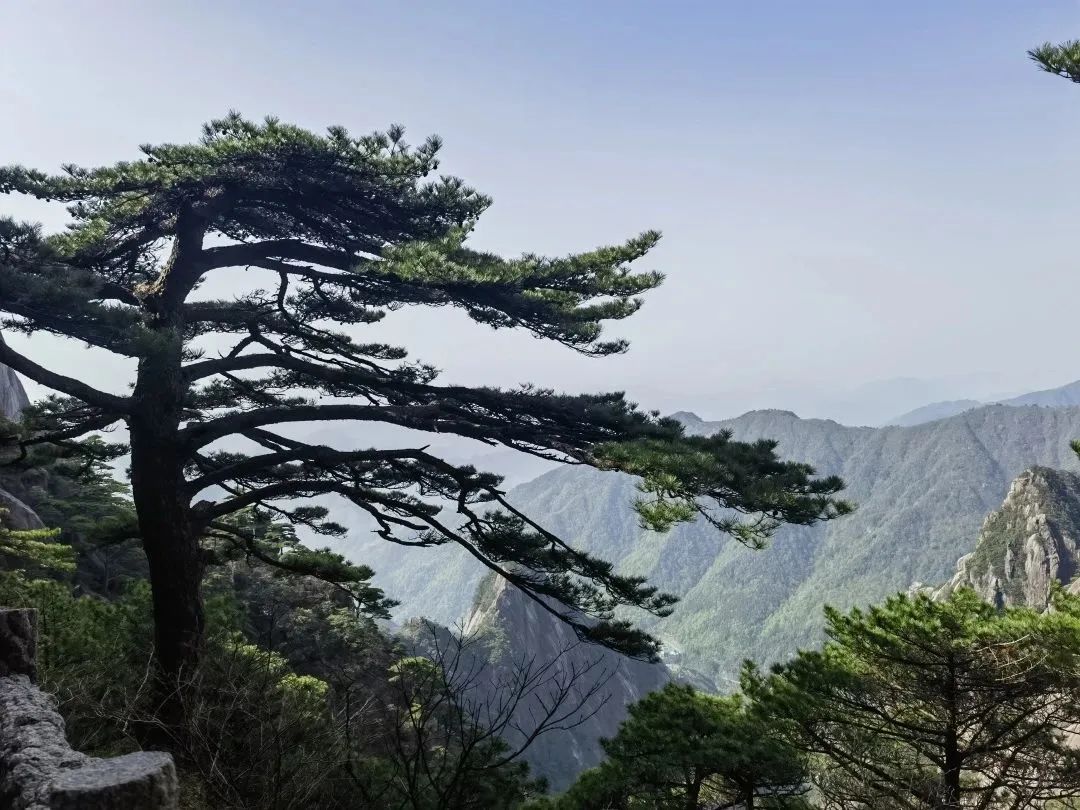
x,y
934,411
1024,547
1065,396
922,493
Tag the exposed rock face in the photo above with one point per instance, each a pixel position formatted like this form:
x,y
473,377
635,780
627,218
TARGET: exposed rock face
x,y
143,780
18,642
16,514
1032,541
514,624
32,744
13,397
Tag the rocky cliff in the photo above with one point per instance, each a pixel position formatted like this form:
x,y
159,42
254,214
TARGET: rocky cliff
x,y
512,624
13,400
13,397
1032,541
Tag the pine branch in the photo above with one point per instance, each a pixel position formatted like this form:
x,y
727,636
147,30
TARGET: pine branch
x,y
65,385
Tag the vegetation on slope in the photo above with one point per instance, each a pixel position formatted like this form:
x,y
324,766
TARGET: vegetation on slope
x,y
911,705
300,699
922,494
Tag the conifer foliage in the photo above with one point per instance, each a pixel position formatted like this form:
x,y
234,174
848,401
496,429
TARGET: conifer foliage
x,y
927,705
1061,60
334,231
682,748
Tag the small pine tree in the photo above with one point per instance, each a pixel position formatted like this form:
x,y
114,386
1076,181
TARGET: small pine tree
x,y
33,547
681,748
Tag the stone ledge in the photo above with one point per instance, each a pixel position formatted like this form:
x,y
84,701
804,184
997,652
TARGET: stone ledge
x,y
145,779
38,768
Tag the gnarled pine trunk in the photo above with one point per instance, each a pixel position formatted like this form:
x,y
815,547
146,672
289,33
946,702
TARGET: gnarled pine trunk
x,y
163,509
172,551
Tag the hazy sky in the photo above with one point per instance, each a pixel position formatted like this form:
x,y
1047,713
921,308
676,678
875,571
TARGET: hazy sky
x,y
849,191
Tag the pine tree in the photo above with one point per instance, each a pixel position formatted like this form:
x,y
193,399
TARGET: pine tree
x,y
683,749
336,231
35,548
924,705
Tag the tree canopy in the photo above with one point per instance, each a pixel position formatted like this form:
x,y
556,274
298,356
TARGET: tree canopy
x,y
683,749
924,705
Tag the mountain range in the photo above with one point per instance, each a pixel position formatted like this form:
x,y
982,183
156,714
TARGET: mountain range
x,y
921,492
922,489
1025,547
1062,397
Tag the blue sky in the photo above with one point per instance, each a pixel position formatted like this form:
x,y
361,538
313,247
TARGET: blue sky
x,y
849,191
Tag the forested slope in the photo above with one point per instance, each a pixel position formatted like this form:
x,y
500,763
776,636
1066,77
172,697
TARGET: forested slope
x,y
922,494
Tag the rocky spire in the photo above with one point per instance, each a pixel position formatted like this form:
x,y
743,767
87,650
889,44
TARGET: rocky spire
x,y
1032,541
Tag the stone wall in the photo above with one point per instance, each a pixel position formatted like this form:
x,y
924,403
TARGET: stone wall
x,y
38,769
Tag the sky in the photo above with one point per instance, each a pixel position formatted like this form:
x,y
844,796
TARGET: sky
x,y
865,206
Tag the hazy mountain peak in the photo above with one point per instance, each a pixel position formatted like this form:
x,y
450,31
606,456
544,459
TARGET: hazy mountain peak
x,y
933,412
1061,397
778,412
687,418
